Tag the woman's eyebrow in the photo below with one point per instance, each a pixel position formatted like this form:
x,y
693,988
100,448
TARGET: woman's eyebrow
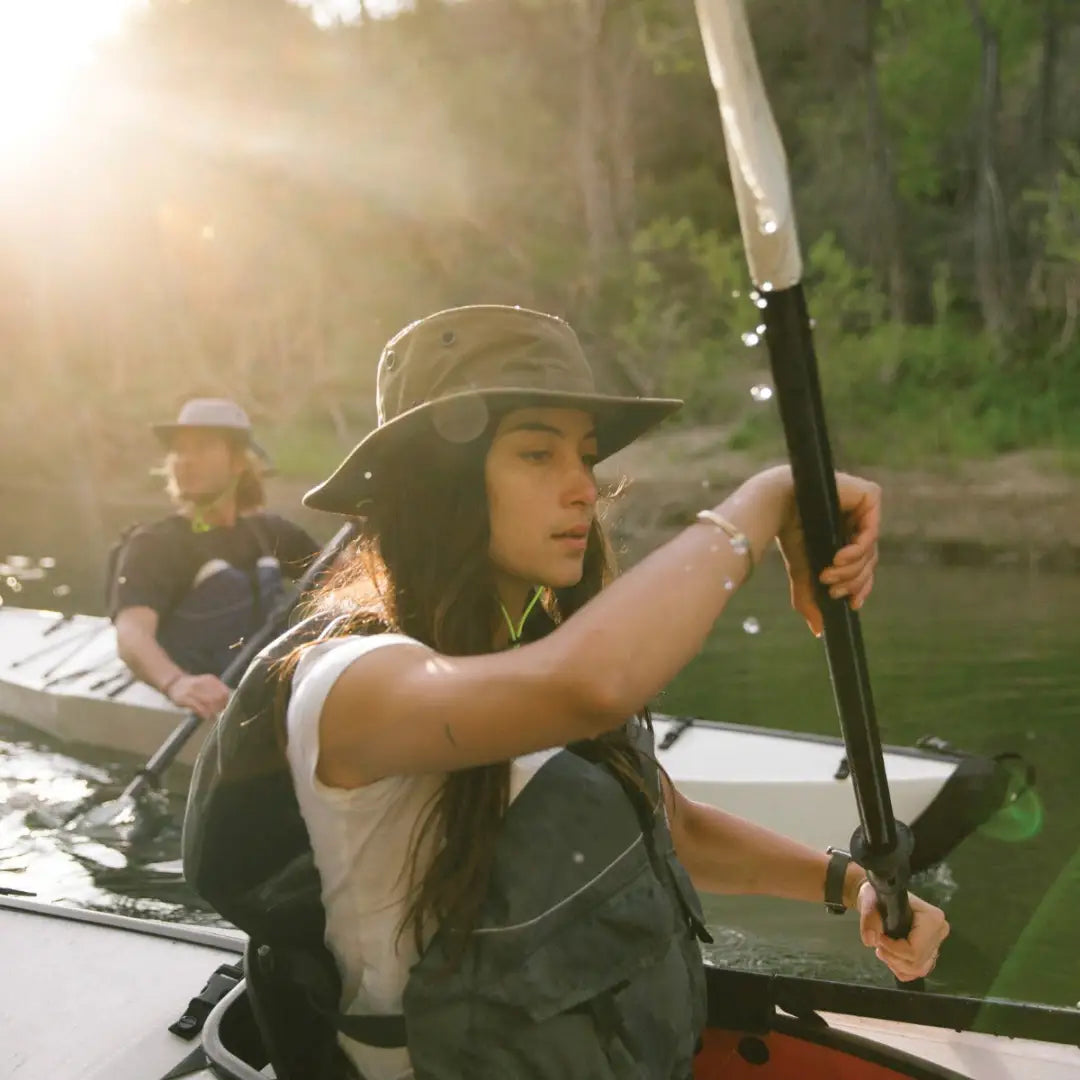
x,y
547,429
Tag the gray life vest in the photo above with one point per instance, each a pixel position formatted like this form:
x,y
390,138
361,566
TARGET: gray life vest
x,y
585,964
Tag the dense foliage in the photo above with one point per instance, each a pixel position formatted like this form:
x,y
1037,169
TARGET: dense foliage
x,y
249,202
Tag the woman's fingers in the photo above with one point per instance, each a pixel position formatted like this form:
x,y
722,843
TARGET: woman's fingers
x,y
850,577
907,970
907,958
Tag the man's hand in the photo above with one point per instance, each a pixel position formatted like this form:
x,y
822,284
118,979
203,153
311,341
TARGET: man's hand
x,y
206,695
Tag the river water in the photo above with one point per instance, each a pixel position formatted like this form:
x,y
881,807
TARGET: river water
x,y
985,658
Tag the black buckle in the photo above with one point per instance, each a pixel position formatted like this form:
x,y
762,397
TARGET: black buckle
x,y
217,986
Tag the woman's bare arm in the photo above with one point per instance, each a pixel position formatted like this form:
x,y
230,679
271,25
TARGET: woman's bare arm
x,y
410,710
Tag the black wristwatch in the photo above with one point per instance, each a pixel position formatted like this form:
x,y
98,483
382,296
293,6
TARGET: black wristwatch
x,y
834,880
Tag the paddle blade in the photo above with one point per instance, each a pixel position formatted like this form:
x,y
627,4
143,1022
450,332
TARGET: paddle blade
x,y
116,814
1021,814
123,820
756,157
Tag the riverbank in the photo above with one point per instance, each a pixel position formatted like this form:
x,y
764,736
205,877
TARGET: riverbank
x,y
1021,509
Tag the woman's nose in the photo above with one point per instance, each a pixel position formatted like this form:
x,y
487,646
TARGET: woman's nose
x,y
581,487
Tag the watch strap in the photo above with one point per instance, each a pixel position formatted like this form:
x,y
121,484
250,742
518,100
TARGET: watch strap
x,y
835,873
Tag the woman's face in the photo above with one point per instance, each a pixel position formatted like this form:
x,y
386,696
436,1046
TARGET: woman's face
x,y
541,496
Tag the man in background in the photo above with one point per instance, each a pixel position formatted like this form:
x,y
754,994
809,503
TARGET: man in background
x,y
187,590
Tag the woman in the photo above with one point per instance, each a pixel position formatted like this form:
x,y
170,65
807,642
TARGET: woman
x,y
480,632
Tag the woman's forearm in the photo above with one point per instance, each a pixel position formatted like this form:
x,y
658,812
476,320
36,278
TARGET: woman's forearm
x,y
727,854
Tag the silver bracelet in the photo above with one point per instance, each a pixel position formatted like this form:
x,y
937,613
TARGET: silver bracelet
x,y
739,541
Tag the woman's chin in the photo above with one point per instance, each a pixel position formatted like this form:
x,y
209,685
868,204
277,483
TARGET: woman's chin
x,y
563,577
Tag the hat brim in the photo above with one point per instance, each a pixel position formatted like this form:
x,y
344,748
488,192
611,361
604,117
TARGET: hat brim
x,y
165,433
619,421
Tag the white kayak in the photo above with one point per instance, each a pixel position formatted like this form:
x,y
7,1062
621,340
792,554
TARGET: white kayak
x,y
91,996
61,676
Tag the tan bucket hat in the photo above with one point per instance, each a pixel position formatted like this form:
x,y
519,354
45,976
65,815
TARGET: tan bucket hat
x,y
449,369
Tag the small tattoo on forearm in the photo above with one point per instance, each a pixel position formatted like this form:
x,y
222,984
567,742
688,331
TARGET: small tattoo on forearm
x,y
450,735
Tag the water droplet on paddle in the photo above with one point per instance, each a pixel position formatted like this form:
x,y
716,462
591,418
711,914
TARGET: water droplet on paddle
x,y
766,286
62,590
47,562
578,857
728,584
735,294
750,339
768,227
760,328
813,323
761,303
740,545
18,562
367,475
761,392
751,625
14,584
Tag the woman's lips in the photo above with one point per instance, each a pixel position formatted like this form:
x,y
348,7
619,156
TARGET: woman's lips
x,y
575,539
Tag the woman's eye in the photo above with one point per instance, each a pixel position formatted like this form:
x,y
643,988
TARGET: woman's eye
x,y
536,455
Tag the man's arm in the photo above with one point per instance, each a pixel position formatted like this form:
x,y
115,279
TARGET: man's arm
x,y
136,641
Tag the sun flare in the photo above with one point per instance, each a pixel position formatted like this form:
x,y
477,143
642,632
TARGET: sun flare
x,y
44,47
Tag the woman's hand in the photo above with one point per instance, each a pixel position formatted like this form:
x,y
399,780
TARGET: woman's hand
x,y
907,958
852,571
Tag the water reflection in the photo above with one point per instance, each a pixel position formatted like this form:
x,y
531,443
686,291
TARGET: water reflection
x,y
41,790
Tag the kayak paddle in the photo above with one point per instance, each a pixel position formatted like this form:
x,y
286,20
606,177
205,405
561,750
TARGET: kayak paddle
x,y
881,845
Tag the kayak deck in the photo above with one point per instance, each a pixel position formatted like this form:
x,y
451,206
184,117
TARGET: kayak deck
x,y
90,996
61,675
792,783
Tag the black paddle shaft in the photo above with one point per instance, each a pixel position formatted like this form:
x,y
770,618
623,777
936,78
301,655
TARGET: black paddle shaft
x,y
150,773
881,845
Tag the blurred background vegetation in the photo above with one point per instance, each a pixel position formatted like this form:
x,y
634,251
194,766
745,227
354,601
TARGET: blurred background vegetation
x,y
248,197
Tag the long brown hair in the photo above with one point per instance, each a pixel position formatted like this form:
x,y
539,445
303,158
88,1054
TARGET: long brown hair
x,y
423,569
